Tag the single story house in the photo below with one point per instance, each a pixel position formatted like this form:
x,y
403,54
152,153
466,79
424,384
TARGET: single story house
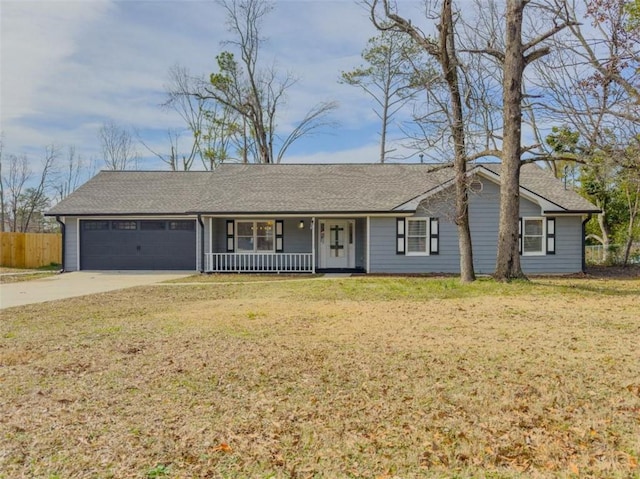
x,y
372,218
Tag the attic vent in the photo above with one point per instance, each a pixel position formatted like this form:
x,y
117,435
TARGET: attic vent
x,y
476,186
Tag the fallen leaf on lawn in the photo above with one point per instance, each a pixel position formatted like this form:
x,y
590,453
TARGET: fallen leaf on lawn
x,y
574,469
223,447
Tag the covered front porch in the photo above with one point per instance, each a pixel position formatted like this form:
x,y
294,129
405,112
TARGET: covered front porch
x,y
293,244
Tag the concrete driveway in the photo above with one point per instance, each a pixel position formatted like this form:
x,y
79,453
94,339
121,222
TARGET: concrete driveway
x,y
80,283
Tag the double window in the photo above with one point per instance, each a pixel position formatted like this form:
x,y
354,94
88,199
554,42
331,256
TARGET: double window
x,y
255,236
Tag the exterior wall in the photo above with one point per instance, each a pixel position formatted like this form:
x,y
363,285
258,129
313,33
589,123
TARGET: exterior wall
x,y
296,240
218,235
385,260
568,257
484,210
70,244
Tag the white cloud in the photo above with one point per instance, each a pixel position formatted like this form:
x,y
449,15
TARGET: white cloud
x,y
69,65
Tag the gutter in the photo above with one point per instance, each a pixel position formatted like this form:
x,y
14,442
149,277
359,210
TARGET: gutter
x,y
63,231
202,243
584,240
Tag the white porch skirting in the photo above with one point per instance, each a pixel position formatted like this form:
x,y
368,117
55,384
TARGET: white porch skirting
x,y
258,262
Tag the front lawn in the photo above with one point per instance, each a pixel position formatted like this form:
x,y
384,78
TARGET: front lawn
x,y
323,378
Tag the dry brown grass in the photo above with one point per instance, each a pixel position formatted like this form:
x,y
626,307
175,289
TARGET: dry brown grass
x,y
20,277
384,377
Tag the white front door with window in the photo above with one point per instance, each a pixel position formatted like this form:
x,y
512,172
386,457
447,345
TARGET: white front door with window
x,y
336,239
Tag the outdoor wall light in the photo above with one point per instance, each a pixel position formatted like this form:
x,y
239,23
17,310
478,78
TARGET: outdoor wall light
x,y
301,224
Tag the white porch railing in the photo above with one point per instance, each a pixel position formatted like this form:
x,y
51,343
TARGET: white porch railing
x,y
258,262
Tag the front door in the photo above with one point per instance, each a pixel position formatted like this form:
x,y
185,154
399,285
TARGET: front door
x,y
337,244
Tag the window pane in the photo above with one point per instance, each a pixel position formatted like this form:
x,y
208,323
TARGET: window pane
x,y
245,228
416,245
533,244
152,225
245,243
95,225
265,244
417,228
533,227
264,228
123,225
182,225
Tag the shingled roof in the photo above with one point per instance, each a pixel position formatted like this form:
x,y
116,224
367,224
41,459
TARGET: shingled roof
x,y
284,188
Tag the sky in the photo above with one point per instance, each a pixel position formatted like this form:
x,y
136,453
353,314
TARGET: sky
x,y
66,67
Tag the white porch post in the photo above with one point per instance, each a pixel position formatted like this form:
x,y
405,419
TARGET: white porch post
x,y
313,245
368,244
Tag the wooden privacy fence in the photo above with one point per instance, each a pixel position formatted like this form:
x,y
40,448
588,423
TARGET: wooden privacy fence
x,y
30,250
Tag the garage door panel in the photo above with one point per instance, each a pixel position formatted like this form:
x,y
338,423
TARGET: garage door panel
x,y
137,245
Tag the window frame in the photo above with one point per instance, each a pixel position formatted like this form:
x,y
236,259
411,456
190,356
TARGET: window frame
x,y
255,236
542,236
426,237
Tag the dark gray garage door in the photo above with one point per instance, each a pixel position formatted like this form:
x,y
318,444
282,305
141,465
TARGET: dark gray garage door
x,y
138,245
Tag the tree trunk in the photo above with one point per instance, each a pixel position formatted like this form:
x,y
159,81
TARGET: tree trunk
x,y
508,257
633,214
449,65
605,234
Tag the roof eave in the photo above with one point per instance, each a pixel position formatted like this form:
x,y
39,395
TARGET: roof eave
x,y
571,212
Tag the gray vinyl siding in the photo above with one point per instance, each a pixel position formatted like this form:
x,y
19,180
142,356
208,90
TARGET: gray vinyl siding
x,y
295,239
385,260
484,219
218,236
70,244
568,257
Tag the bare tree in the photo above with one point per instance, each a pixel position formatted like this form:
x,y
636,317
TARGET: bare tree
x,y
36,200
215,129
612,51
21,201
118,148
443,49
14,181
255,93
70,175
631,190
518,50
388,76
592,83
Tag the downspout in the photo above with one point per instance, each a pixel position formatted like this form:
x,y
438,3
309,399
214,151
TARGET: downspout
x,y
584,240
201,243
62,230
